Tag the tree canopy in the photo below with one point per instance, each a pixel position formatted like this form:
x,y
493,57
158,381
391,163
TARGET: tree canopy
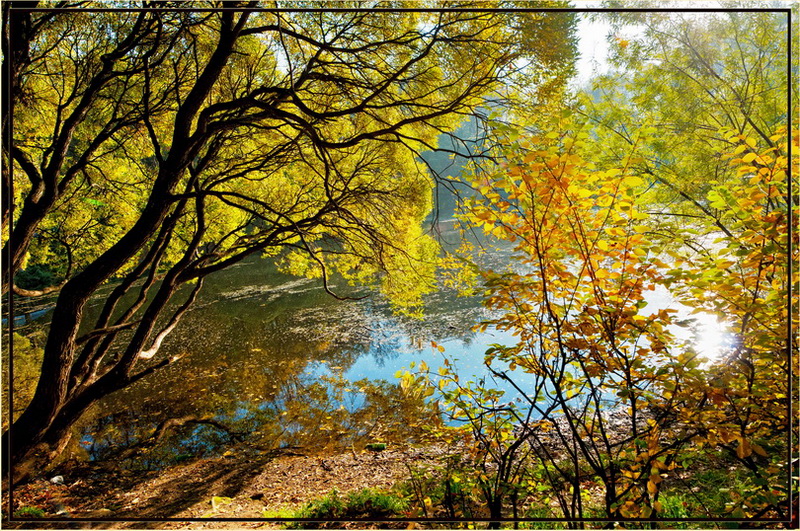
x,y
156,145
670,176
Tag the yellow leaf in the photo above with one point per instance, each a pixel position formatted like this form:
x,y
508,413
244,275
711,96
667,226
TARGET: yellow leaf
x,y
217,501
725,435
633,181
744,449
602,245
758,449
750,157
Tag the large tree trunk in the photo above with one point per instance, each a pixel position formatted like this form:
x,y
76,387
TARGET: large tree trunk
x,y
31,446
60,350
57,403
495,511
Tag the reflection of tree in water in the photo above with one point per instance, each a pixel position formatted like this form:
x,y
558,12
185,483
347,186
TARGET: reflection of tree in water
x,y
252,366
307,413
264,388
129,441
446,317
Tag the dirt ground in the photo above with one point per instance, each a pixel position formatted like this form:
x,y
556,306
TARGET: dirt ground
x,y
244,486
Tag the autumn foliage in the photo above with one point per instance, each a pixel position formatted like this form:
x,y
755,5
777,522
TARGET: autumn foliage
x,y
610,399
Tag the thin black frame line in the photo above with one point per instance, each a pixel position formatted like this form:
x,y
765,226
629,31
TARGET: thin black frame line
x,y
379,10
9,143
401,10
789,269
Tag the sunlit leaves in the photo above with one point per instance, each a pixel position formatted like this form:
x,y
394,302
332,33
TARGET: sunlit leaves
x,y
678,82
585,250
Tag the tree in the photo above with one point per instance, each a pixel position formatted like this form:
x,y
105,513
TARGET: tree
x,y
708,89
609,395
744,279
591,355
672,175
689,76
153,147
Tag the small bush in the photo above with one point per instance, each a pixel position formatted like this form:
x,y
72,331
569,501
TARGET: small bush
x,y
35,277
29,512
366,503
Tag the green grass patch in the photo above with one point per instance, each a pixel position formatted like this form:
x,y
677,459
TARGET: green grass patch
x,y
362,504
29,512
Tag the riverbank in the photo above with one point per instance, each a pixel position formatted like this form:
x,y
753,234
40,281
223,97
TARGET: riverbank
x,y
245,483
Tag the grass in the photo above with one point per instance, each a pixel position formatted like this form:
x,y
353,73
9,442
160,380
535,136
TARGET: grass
x,y
29,512
362,504
541,512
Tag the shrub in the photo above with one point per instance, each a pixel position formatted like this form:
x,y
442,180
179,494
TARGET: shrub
x,y
363,504
29,512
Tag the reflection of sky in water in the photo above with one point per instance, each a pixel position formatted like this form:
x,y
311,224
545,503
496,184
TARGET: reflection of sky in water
x,y
369,366
466,354
708,336
313,329
391,349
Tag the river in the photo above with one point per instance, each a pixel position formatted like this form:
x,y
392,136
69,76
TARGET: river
x,y
274,360
277,358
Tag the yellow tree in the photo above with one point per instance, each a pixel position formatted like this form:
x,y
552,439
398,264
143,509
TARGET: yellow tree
x,y
743,277
589,353
603,379
153,147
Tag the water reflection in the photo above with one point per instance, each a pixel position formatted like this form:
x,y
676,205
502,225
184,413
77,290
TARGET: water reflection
x,y
274,361
277,362
312,415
